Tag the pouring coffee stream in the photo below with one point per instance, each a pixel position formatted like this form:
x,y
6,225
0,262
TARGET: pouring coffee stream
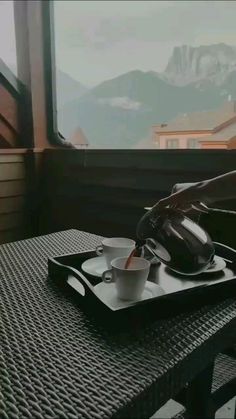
x,y
129,259
138,251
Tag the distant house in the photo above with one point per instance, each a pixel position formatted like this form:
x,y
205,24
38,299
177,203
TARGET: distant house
x,y
207,129
78,139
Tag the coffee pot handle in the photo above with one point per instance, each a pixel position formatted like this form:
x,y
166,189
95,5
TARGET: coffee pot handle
x,y
225,251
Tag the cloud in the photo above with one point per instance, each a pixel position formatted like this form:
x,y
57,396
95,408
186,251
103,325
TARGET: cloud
x,y
102,24
122,102
98,40
7,39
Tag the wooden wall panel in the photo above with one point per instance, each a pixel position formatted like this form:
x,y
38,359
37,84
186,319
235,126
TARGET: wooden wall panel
x,y
12,204
12,188
7,134
12,197
12,171
11,158
11,220
105,191
164,161
9,108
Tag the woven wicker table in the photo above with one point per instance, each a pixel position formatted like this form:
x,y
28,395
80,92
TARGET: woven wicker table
x,y
55,362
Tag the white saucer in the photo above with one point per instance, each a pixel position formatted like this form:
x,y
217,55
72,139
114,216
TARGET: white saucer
x,y
95,266
218,265
108,294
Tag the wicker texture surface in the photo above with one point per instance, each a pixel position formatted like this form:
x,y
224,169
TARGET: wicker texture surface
x,y
224,371
55,362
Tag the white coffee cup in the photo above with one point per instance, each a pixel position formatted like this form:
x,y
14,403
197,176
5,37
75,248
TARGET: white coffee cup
x,y
115,247
130,283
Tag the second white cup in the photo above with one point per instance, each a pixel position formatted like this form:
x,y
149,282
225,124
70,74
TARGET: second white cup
x,y
115,247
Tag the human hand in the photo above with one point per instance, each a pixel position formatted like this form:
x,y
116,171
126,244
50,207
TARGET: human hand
x,y
185,196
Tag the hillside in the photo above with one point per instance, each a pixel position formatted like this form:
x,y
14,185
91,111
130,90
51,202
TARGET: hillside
x,y
120,112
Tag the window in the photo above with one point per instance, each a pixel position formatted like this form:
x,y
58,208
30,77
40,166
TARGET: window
x,y
192,143
172,143
7,38
128,73
157,144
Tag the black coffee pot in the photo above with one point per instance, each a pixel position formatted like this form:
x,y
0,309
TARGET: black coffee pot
x,y
176,240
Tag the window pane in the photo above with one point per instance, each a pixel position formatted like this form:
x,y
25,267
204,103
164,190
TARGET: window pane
x,y
172,143
7,38
192,143
130,75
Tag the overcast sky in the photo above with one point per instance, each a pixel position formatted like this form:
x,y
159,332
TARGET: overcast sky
x,y
7,33
98,40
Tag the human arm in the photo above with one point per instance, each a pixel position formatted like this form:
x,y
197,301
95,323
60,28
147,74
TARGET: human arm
x,y
208,191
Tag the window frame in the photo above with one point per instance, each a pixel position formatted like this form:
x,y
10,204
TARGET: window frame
x,y
172,141
195,142
34,29
55,137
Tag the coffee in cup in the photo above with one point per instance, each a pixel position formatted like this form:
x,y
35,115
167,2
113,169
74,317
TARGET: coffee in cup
x,y
130,283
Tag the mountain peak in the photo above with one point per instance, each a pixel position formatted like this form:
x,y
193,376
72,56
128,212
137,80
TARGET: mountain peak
x,y
206,62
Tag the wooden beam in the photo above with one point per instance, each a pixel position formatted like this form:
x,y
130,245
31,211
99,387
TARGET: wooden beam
x,y
9,80
24,72
17,151
36,70
31,72
9,108
8,137
12,171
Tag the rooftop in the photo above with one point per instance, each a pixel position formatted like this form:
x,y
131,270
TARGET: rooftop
x,y
200,121
225,134
79,138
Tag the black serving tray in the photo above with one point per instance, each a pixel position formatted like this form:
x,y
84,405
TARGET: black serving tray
x,y
180,292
